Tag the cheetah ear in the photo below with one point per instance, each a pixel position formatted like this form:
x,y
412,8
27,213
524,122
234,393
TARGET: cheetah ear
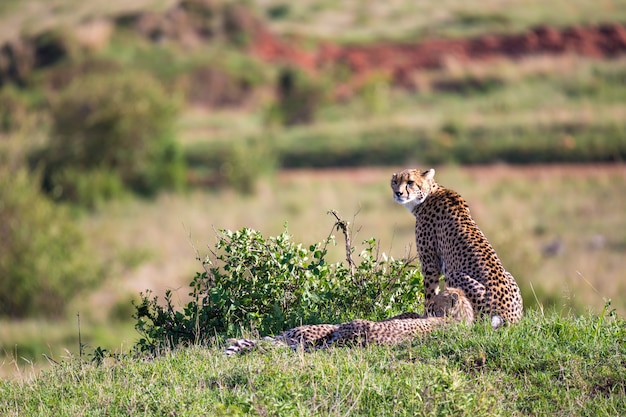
x,y
429,175
455,297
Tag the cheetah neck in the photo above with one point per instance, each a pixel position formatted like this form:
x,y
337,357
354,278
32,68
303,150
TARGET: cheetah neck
x,y
415,206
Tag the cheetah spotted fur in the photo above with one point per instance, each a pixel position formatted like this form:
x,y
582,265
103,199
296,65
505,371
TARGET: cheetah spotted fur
x,y
449,242
449,306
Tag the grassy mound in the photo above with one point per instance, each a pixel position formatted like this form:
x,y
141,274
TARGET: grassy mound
x,y
545,365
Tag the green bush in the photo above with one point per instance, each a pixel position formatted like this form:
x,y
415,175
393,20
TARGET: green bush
x,y
299,98
108,128
272,284
451,143
278,11
43,258
13,110
88,188
374,92
236,164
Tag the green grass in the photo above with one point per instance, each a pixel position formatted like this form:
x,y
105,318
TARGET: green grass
x,y
348,21
544,366
30,17
537,110
358,21
29,345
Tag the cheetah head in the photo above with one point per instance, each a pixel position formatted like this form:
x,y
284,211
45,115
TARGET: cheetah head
x,y
451,303
412,186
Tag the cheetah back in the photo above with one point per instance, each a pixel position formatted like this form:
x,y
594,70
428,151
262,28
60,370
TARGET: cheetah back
x,y
312,335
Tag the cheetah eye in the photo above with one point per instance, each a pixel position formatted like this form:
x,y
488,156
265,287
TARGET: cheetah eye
x,y
410,183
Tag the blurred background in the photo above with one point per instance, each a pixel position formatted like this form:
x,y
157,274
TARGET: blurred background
x,y
130,131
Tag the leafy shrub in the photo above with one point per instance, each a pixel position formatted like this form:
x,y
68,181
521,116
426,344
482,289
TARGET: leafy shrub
x,y
88,188
375,91
13,110
112,125
274,284
278,11
244,163
299,98
43,259
451,143
236,164
55,45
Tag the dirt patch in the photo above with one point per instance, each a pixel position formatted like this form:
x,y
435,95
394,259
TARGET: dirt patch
x,y
400,60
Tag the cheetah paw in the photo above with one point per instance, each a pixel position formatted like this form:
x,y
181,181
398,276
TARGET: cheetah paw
x,y
496,321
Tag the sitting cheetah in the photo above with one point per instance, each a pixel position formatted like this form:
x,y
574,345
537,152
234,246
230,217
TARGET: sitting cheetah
x,y
449,306
449,242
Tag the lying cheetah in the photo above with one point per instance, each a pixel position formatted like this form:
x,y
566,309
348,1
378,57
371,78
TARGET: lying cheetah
x,y
447,307
310,335
451,305
449,242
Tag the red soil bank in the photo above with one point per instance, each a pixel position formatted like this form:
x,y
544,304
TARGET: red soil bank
x,y
400,59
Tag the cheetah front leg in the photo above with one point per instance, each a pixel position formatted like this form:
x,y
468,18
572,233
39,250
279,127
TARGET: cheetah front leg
x,y
431,270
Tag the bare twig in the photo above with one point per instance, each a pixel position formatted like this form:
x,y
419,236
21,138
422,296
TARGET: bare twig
x,y
343,226
48,358
198,257
201,293
80,341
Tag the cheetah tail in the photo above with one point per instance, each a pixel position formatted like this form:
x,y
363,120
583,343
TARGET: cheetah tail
x,y
237,346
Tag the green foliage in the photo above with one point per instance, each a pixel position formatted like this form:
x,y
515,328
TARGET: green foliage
x,y
235,164
56,45
88,188
299,98
13,110
374,91
453,143
493,21
111,130
244,162
274,284
43,258
278,11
